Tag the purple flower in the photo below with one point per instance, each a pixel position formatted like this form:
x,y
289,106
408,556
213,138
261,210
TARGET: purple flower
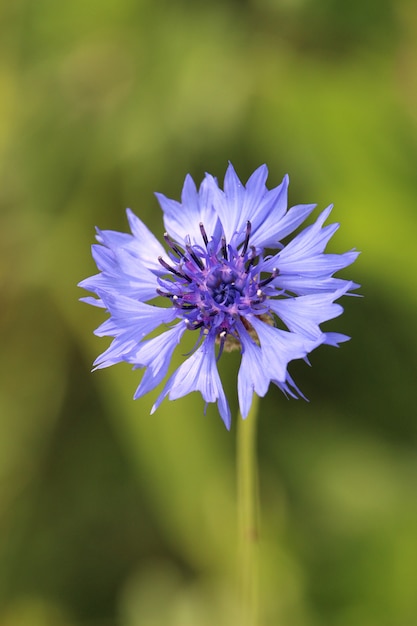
x,y
226,276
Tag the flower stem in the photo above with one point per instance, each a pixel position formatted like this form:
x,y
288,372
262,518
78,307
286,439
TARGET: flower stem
x,y
248,513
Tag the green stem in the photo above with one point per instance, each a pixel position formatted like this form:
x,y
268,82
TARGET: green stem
x,y
247,496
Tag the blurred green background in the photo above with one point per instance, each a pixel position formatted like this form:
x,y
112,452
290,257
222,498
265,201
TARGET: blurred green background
x,y
111,517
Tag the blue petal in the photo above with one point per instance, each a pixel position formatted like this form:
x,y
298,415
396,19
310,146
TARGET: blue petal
x,y
118,351
237,205
303,285
333,339
127,314
155,354
198,373
256,182
302,263
131,321
251,376
125,275
145,245
112,238
257,209
234,194
319,265
279,347
127,263
273,230
93,301
104,258
114,244
289,388
309,243
182,220
304,314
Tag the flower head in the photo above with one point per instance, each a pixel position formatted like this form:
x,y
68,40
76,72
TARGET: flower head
x,y
226,276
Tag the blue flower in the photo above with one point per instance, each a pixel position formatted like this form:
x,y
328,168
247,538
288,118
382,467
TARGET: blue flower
x,y
225,275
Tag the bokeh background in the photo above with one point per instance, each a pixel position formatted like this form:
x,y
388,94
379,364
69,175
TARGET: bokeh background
x,y
110,516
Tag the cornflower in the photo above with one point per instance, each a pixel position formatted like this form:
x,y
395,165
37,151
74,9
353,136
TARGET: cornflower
x,y
230,275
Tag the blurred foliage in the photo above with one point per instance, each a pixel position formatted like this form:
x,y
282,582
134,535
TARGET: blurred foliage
x,y
110,517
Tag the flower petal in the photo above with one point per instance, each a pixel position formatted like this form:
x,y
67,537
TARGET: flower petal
x,y
155,354
182,220
145,246
304,314
279,347
129,323
333,339
254,203
289,388
304,285
272,230
251,376
198,373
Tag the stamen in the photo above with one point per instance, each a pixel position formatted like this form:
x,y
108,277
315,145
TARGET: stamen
x,y
165,294
222,337
246,242
180,303
224,248
266,281
188,307
195,258
173,246
193,325
203,234
173,270
252,259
